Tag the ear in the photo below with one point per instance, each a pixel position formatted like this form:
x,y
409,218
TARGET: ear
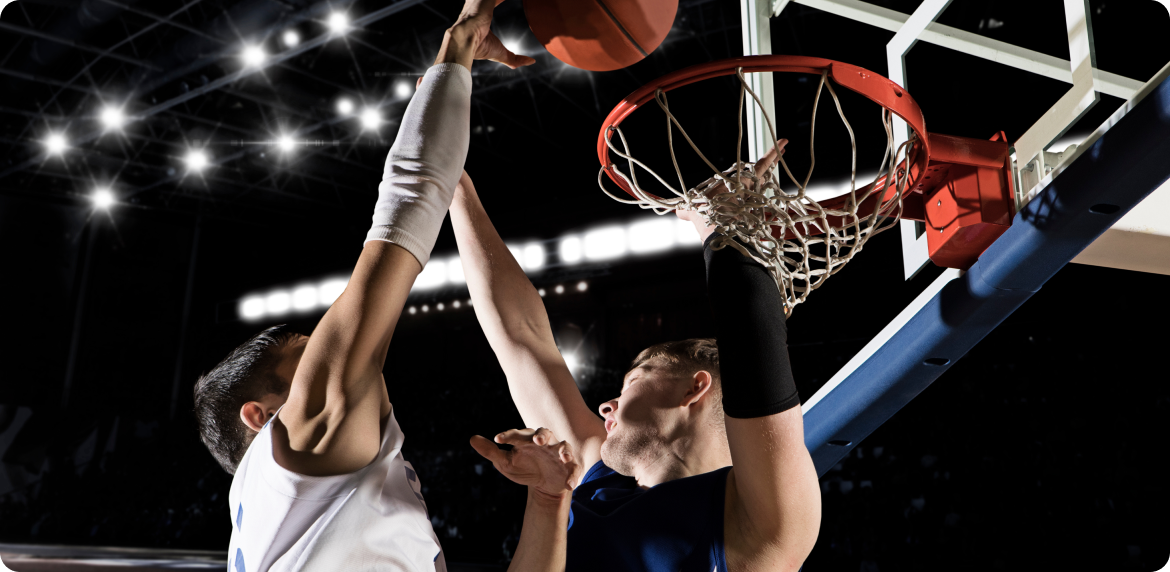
x,y
700,387
254,415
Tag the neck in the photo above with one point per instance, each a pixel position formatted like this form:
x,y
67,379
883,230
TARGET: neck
x,y
685,457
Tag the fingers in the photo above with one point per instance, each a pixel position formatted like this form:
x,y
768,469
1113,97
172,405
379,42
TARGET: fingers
x,y
488,450
542,437
515,437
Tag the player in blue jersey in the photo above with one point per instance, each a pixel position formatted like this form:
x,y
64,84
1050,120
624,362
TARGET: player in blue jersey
x,y
700,463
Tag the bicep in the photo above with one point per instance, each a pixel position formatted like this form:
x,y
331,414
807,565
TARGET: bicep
x,y
775,497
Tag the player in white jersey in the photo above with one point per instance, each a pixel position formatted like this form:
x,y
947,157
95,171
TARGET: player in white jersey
x,y
305,422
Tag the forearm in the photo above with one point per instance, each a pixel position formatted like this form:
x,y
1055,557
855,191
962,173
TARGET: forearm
x,y
506,304
545,535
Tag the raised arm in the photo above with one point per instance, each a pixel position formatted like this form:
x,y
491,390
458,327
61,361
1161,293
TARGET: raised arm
x,y
331,422
513,317
773,505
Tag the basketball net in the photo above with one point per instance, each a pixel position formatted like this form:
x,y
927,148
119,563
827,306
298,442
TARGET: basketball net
x,y
801,241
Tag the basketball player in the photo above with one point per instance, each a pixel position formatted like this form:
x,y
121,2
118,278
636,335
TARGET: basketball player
x,y
305,423
700,464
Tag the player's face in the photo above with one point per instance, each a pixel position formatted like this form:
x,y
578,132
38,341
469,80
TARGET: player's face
x,y
639,423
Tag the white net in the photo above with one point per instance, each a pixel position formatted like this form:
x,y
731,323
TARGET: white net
x,y
801,241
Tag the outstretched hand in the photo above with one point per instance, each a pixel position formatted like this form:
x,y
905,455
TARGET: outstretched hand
x,y
471,38
760,168
537,459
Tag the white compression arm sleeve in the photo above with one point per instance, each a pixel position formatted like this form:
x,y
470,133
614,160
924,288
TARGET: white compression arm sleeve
x,y
425,162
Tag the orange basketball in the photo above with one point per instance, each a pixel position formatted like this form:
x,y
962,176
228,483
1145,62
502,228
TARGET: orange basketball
x,y
600,35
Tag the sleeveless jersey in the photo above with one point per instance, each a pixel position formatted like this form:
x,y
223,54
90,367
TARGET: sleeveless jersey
x,y
676,526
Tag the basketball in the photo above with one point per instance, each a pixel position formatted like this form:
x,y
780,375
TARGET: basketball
x,y
600,35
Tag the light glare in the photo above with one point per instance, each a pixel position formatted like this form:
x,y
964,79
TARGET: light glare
x,y
113,117
455,272
103,198
277,303
291,38
371,118
251,308
338,22
329,290
196,160
685,234
571,361
304,298
570,250
653,235
55,143
403,89
433,276
605,243
582,286
286,143
254,56
345,106
533,257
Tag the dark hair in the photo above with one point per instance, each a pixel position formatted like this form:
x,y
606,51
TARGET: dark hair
x,y
248,373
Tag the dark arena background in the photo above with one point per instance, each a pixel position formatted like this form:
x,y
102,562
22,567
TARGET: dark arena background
x,y
227,189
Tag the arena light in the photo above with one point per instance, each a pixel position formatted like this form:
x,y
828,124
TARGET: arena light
x,y
251,308
685,234
345,106
403,89
113,117
512,45
103,198
371,118
196,160
532,257
55,144
571,361
440,307
338,22
329,290
456,304
304,298
412,310
277,303
253,56
654,235
560,289
432,276
287,144
542,292
582,286
455,272
571,250
605,243
291,38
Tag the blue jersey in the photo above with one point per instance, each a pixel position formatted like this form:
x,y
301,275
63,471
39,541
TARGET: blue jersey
x,y
676,526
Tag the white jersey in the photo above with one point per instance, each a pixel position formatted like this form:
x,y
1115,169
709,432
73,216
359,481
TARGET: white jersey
x,y
373,519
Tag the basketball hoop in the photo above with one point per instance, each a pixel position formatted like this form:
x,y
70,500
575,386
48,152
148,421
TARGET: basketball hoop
x,y
802,241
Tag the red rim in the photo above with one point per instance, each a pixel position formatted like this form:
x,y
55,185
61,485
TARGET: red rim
x,y
874,87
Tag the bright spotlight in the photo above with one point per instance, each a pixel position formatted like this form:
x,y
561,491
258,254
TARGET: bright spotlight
x,y
286,143
403,89
304,298
55,143
329,290
440,306
559,289
371,118
571,361
685,235
412,310
533,258
605,243
251,308
582,286
455,304
432,276
570,250
277,303
542,292
291,38
338,22
455,272
113,117
345,106
196,160
425,308
513,45
253,56
102,198
652,235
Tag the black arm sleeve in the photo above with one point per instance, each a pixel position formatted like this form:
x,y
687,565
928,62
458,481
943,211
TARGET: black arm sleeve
x,y
752,334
